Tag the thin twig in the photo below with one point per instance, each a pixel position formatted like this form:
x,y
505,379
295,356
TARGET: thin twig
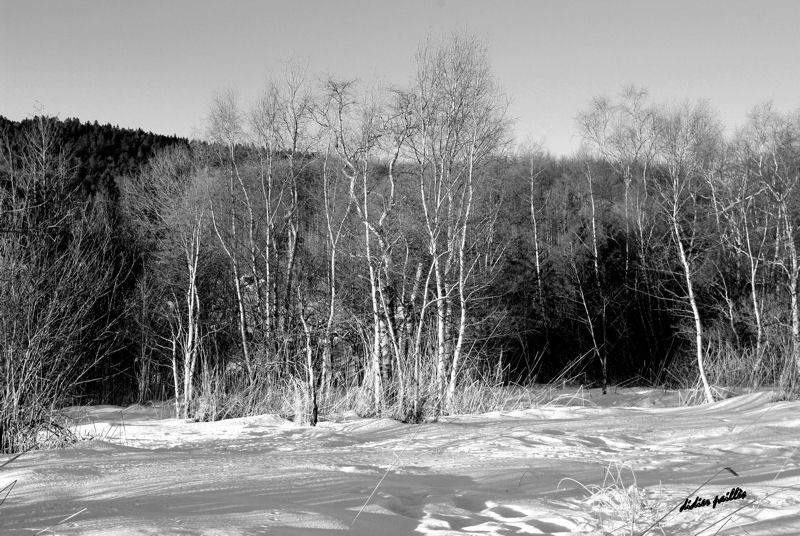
x,y
51,527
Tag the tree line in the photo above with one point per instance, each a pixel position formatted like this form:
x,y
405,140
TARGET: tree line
x,y
394,246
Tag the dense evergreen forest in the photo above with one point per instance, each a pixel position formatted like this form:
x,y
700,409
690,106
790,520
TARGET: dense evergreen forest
x,y
392,251
98,154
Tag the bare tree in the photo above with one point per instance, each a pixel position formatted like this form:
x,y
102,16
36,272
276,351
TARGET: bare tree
x,y
359,129
531,154
335,219
265,125
459,118
167,207
225,129
743,205
295,120
688,140
623,134
598,339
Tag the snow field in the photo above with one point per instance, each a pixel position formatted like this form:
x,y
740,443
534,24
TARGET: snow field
x,y
614,466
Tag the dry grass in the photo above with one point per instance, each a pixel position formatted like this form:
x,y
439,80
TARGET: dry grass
x,y
415,401
622,507
731,372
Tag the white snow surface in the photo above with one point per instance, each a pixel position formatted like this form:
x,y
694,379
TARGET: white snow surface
x,y
550,470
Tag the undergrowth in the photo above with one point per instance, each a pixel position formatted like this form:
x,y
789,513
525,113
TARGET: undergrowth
x,y
731,372
222,395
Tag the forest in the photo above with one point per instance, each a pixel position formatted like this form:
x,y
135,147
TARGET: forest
x,y
394,251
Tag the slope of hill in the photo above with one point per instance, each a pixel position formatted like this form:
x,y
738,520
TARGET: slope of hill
x,y
99,153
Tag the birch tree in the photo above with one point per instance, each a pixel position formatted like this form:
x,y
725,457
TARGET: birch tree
x,y
297,139
687,140
265,126
225,129
622,133
459,118
360,126
744,205
167,206
335,219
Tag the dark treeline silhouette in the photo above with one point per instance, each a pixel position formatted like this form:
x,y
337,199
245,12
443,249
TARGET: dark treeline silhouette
x,y
392,251
99,153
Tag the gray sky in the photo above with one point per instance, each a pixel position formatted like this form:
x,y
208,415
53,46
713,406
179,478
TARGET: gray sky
x,y
155,64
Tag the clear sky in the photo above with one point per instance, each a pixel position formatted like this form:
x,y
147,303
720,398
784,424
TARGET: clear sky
x,y
155,64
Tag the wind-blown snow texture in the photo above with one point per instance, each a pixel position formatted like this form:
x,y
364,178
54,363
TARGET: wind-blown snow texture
x,y
499,473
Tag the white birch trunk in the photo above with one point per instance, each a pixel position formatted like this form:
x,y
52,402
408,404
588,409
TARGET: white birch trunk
x,y
698,326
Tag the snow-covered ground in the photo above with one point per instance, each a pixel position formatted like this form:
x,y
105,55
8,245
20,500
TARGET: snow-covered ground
x,y
551,470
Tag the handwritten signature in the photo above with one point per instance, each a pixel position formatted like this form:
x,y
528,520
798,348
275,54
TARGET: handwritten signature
x,y
734,494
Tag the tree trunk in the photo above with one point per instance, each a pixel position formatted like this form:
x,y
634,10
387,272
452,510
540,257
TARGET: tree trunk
x,y
313,410
601,355
698,326
176,374
462,282
794,289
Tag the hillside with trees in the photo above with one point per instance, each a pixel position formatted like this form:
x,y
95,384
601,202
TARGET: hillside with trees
x,y
97,154
393,252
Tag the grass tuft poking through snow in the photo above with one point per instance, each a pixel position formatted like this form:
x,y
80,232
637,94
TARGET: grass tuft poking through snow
x,y
623,507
